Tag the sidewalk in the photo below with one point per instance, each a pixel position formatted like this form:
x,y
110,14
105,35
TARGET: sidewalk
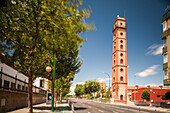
x,y
43,108
131,104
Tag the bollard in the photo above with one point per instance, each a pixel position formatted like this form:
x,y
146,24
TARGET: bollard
x,y
128,107
155,110
139,109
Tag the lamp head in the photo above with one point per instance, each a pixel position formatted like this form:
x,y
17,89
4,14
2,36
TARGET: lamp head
x,y
48,69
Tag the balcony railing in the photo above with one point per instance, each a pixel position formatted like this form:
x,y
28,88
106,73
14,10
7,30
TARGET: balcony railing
x,y
166,33
164,49
16,84
167,82
165,66
119,26
166,16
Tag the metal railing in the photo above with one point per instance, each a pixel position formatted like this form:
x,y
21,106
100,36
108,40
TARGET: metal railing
x,y
17,85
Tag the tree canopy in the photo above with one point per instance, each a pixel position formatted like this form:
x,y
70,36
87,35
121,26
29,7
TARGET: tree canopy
x,y
91,87
145,95
79,90
32,30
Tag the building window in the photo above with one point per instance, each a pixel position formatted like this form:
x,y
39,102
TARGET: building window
x,y
114,62
6,84
121,70
121,41
41,82
165,58
165,42
121,78
114,47
121,61
19,87
121,97
121,33
166,74
23,88
158,95
164,26
121,46
121,54
113,78
13,85
26,88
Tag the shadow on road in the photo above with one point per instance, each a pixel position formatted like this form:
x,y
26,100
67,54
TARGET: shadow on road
x,y
79,108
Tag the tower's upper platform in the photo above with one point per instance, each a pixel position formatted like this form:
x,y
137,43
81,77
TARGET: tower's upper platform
x,y
120,22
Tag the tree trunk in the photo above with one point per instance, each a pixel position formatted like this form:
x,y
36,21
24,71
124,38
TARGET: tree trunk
x,y
30,110
61,95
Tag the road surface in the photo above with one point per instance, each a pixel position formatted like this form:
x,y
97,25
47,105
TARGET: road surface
x,y
86,106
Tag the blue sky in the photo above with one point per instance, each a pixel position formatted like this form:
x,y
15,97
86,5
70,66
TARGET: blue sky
x,y
144,31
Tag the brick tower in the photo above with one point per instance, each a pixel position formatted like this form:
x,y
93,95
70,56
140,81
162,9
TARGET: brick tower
x,y
119,61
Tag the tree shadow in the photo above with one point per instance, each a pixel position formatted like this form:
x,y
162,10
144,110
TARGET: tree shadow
x,y
79,108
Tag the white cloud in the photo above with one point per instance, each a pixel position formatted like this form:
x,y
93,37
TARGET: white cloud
x,y
102,79
152,84
149,71
155,49
73,86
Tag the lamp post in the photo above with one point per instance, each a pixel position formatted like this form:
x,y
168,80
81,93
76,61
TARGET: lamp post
x,y
109,84
48,69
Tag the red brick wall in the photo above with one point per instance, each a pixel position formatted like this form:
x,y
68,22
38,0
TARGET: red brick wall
x,y
153,94
15,99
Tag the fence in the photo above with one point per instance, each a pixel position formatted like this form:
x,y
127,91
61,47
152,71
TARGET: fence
x,y
13,83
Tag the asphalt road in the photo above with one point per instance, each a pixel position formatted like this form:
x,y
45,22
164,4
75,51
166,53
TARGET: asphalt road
x,y
86,106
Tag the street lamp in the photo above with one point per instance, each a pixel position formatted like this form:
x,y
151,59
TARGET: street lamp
x,y
48,69
135,90
109,84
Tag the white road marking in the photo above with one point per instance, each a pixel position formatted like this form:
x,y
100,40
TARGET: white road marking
x,y
88,112
100,110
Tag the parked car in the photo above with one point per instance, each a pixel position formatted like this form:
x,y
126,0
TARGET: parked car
x,y
141,103
156,104
164,104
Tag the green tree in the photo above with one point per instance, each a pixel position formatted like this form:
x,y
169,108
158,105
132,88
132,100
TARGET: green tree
x,y
31,31
107,93
145,95
102,91
79,91
163,97
91,87
62,85
167,95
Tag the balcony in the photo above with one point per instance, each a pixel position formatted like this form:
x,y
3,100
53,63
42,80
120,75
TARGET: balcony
x,y
166,16
119,26
167,82
165,66
166,33
164,49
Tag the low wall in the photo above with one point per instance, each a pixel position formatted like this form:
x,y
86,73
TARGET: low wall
x,y
10,100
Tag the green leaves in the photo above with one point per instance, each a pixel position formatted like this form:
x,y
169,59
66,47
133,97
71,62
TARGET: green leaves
x,y
145,95
79,90
91,87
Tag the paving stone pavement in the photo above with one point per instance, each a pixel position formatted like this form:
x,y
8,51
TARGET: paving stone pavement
x,y
46,108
